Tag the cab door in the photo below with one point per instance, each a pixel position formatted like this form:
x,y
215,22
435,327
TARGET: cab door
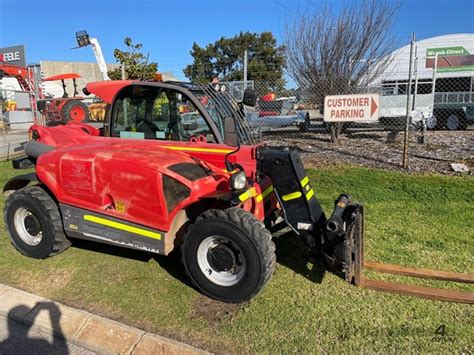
x,y
172,118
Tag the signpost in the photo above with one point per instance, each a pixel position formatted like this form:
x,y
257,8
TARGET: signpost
x,y
351,108
450,59
14,55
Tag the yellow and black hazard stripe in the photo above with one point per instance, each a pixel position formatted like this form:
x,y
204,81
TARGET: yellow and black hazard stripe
x,y
198,149
122,226
292,196
307,190
265,193
248,194
252,192
90,225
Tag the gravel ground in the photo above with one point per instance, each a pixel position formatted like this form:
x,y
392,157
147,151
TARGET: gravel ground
x,y
371,149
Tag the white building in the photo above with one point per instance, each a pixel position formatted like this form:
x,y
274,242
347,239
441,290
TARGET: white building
x,y
446,60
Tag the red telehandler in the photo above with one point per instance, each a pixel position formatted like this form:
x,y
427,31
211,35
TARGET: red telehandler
x,y
153,180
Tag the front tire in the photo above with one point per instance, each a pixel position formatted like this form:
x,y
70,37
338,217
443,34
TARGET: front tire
x,y
34,224
228,254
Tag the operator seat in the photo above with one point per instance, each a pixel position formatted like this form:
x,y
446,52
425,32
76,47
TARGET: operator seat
x,y
148,128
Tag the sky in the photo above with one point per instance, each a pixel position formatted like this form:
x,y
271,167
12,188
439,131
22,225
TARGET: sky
x,y
167,29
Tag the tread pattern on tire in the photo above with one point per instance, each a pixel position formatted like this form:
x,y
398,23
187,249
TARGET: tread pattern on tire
x,y
66,110
61,243
259,235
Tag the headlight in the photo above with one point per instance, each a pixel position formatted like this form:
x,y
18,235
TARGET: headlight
x,y
238,181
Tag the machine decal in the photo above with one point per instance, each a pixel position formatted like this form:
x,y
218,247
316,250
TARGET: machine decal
x,y
120,206
122,226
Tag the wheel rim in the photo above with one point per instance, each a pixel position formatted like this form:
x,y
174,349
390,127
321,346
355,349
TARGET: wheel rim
x,y
453,122
431,122
77,113
28,226
221,261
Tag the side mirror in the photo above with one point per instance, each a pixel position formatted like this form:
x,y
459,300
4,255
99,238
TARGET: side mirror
x,y
250,97
230,130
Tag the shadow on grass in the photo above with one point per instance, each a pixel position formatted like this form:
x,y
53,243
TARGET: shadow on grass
x,y
171,263
293,254
103,248
290,252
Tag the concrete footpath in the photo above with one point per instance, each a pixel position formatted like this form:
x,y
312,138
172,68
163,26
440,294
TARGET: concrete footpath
x,y
32,324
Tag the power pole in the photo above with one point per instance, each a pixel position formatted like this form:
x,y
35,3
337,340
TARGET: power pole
x,y
415,91
407,123
245,68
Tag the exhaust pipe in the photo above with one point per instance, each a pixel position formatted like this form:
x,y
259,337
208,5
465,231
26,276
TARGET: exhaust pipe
x,y
335,225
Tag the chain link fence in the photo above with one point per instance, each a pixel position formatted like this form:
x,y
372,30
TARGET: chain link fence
x,y
16,116
435,110
437,113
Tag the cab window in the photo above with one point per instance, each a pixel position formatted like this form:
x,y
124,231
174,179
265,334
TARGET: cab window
x,y
147,112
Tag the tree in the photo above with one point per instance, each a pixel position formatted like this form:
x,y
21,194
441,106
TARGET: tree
x,y
136,66
329,54
223,59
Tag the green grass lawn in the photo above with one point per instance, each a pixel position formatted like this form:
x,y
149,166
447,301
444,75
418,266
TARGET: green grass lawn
x,y
422,221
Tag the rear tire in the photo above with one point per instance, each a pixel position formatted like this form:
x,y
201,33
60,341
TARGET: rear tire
x,y
453,122
74,110
34,223
228,254
431,123
456,121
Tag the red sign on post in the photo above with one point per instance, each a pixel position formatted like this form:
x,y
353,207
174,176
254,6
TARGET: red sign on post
x,y
351,108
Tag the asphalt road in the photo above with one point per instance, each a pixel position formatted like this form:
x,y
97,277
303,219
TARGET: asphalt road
x,y
15,339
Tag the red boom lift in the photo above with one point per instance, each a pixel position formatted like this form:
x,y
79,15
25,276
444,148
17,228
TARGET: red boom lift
x,y
54,110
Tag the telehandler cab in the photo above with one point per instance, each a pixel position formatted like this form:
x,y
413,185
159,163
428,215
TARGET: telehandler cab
x,y
177,165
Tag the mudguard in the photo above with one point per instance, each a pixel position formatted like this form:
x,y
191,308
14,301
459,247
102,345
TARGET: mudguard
x,y
20,181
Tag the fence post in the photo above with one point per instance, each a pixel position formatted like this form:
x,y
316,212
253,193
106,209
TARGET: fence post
x,y
407,123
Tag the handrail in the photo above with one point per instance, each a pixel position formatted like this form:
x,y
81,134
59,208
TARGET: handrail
x,y
454,97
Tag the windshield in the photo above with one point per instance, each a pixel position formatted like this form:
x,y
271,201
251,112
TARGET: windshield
x,y
220,105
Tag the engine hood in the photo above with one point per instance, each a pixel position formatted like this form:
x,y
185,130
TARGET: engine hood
x,y
142,155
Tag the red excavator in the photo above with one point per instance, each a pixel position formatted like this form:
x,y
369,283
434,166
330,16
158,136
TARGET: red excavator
x,y
53,110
